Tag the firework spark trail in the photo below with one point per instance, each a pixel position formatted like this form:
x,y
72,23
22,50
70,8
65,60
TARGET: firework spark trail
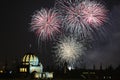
x,y
80,17
69,50
46,24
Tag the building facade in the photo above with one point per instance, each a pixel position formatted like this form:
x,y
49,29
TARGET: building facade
x,y
31,65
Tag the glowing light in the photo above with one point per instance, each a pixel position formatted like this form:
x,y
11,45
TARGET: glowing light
x,y
70,68
23,69
1,71
37,75
46,24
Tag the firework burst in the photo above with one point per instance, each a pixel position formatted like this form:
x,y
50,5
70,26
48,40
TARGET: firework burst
x,y
71,14
93,13
46,23
69,50
80,17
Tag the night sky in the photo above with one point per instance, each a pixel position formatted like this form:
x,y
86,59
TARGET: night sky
x,y
16,36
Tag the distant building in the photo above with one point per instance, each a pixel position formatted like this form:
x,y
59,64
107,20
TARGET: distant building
x,y
31,65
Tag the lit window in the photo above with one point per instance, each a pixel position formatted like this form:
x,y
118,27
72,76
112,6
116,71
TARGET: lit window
x,y
23,69
104,77
1,71
109,77
37,76
43,75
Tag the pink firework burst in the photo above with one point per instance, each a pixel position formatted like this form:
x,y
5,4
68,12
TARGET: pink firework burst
x,y
93,13
46,23
81,16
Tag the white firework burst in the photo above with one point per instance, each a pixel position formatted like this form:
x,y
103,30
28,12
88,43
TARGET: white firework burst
x,y
69,50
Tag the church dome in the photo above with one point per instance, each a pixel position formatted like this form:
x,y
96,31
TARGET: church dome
x,y
31,59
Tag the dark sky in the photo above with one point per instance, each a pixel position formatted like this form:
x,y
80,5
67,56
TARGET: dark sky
x,y
16,36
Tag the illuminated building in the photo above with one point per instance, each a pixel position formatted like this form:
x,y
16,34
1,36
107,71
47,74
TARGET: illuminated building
x,y
32,66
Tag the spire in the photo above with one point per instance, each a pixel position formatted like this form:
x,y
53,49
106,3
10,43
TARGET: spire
x,y
65,67
94,67
29,48
101,66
